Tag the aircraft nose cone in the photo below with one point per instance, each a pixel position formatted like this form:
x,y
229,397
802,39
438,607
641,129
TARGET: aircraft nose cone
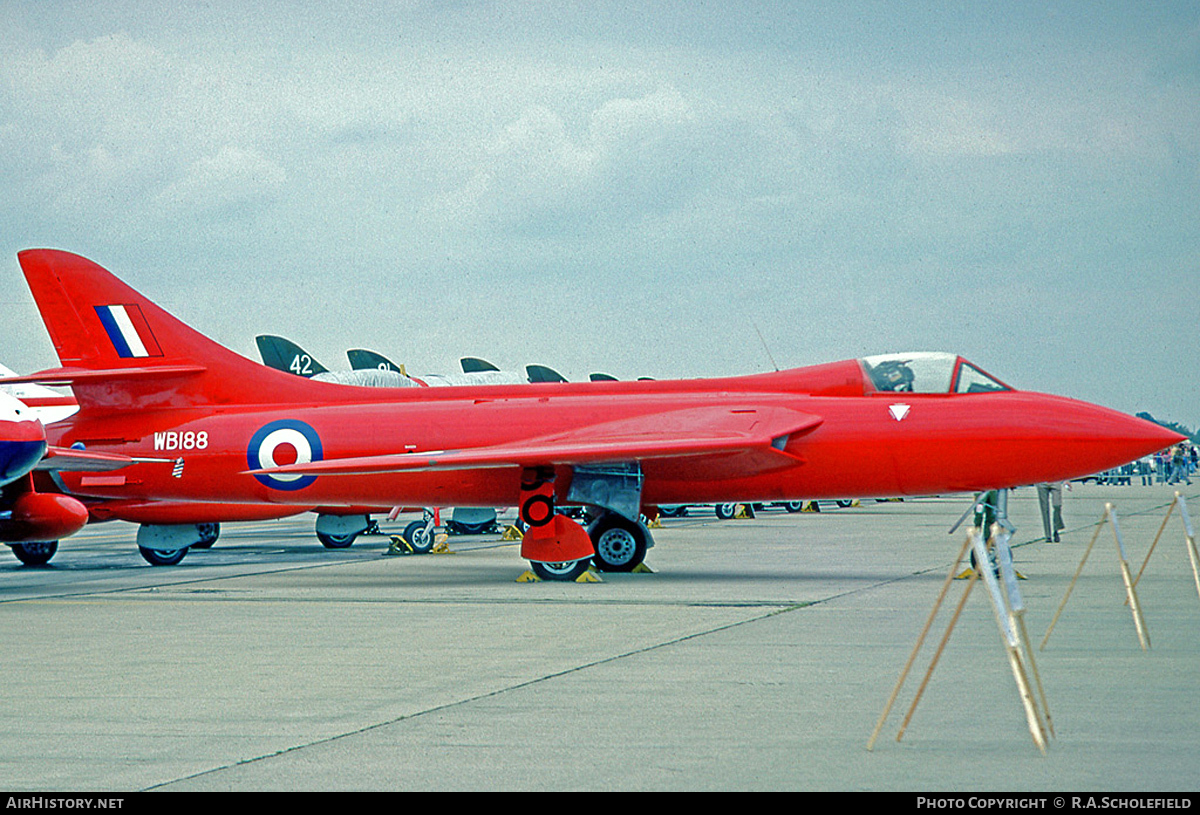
x,y
1103,438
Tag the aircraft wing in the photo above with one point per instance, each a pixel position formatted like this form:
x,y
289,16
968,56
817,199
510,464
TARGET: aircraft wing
x,y
671,434
66,459
68,376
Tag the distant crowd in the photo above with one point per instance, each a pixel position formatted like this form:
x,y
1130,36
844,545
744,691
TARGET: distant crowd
x,y
1177,464
1174,465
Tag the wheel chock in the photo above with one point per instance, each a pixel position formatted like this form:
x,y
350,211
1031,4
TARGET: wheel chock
x,y
642,568
742,512
398,546
511,533
811,506
656,523
588,576
966,574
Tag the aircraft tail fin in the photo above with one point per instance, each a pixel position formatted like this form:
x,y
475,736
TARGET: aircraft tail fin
x,y
540,373
362,359
282,354
472,365
118,349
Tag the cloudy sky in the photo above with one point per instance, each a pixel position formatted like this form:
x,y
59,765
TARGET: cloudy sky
x,y
660,189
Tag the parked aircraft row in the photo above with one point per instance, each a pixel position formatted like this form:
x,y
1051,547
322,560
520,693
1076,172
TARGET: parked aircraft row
x,y
284,355
173,431
336,527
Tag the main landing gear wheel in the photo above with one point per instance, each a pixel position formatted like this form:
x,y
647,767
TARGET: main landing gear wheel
x,y
208,535
334,541
419,537
620,543
726,511
570,570
161,557
35,554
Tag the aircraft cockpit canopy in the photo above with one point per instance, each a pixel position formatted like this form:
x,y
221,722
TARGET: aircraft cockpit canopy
x,y
928,372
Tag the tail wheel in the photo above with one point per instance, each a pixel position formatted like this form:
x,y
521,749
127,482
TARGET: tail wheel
x,y
35,554
569,570
619,542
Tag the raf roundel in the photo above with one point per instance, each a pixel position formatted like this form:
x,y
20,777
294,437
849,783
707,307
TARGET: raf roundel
x,y
283,442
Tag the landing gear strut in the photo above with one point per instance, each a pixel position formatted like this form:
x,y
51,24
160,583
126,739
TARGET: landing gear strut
x,y
557,547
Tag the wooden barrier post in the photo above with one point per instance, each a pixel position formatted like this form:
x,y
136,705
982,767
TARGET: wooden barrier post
x,y
1189,539
1109,517
920,640
1009,620
1008,631
1016,612
937,655
1071,585
1161,528
1139,621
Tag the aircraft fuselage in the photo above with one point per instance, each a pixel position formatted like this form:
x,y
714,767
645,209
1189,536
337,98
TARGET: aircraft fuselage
x,y
878,444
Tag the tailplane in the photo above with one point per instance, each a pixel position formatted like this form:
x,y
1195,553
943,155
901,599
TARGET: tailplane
x,y
120,350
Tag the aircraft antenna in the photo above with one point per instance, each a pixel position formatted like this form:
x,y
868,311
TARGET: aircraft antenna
x,y
764,344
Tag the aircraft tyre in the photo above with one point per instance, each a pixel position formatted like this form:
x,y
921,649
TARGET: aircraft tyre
x,y
794,506
335,541
726,511
162,557
35,554
208,535
995,565
419,537
569,570
619,542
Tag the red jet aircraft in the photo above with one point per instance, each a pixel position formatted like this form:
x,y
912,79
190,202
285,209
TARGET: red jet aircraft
x,y
33,517
235,432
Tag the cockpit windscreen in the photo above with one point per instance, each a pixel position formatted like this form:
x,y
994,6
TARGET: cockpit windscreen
x,y
928,372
